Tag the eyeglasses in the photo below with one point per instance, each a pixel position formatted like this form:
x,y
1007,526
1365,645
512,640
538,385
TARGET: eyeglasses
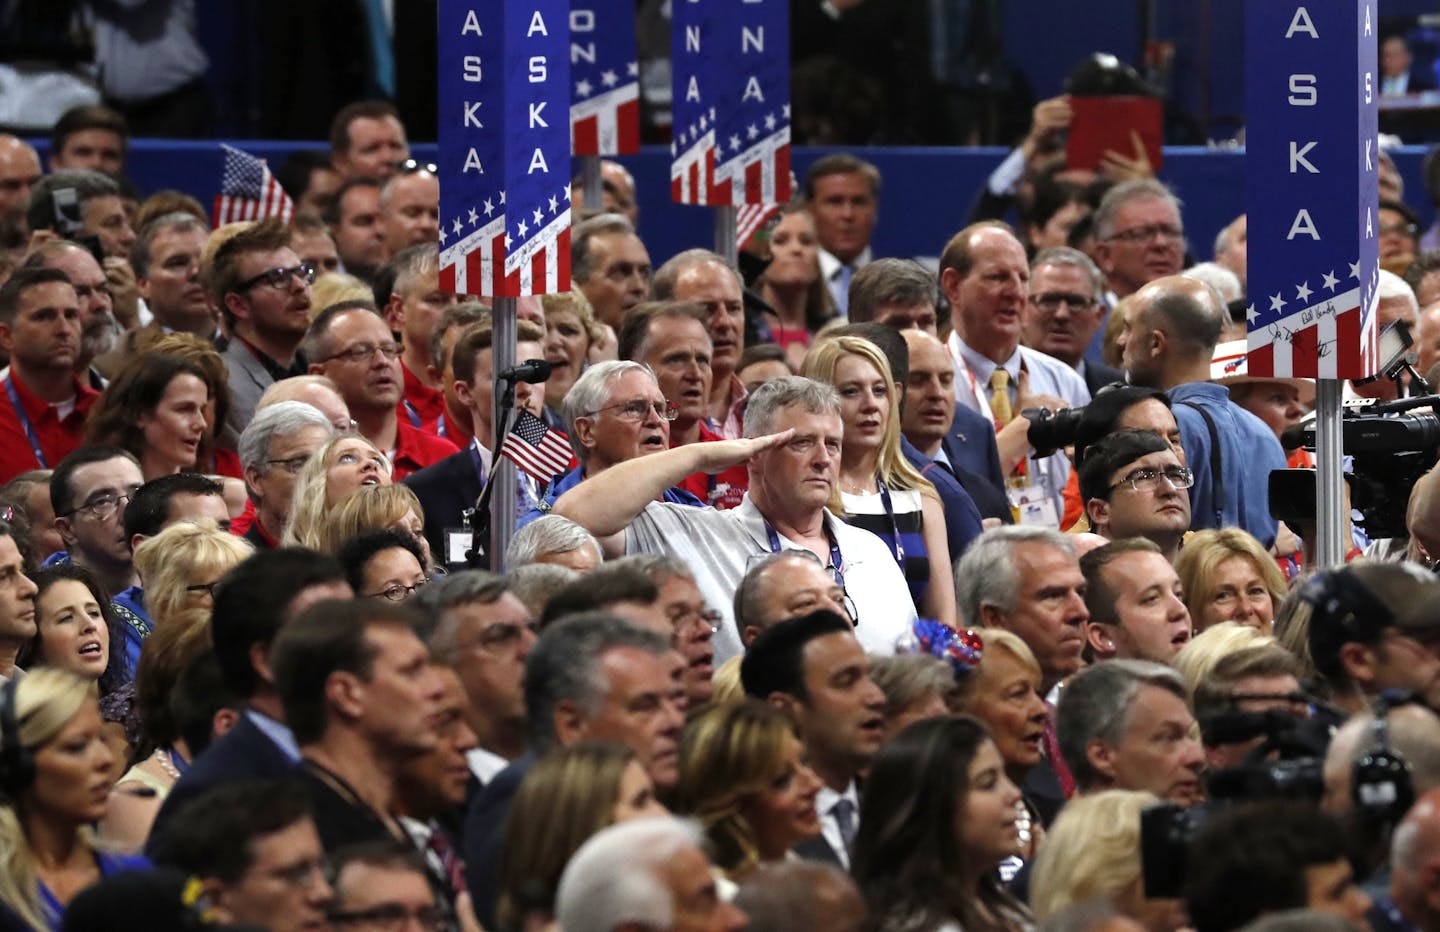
x,y
1050,301
1148,480
293,464
410,167
366,351
640,409
709,619
1145,234
397,592
1409,229
279,277
301,876
392,916
207,588
103,507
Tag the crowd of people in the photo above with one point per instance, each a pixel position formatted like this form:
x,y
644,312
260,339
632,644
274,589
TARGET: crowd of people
x,y
875,595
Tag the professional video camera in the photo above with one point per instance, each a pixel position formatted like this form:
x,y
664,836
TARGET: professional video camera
x,y
1288,764
1389,449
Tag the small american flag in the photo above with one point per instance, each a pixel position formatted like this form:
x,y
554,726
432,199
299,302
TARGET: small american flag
x,y
749,218
535,448
248,191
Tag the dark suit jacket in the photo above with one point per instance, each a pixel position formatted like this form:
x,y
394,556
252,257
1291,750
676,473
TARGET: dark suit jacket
x,y
818,849
484,839
244,753
962,517
970,445
446,489
1098,375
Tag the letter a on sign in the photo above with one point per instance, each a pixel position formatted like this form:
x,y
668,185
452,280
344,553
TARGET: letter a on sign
x,y
1301,23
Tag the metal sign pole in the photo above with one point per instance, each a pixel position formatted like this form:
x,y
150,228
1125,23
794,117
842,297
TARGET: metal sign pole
x,y
725,243
502,500
592,187
1331,544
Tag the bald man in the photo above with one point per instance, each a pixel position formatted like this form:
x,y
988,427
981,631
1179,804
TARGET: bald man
x,y
1167,343
19,171
1415,858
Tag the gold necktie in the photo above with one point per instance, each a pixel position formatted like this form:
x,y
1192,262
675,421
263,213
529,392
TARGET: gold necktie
x,y
1000,397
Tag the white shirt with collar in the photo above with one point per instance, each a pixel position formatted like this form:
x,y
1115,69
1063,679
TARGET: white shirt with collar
x,y
485,764
1047,375
829,828
830,271
718,545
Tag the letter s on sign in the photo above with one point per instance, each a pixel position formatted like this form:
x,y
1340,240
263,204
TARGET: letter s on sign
x,y
1302,90
538,71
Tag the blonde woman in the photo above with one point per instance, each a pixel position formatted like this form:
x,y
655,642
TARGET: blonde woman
x,y
338,468
1228,575
179,568
1198,658
52,790
374,508
570,332
744,778
880,491
570,794
1093,852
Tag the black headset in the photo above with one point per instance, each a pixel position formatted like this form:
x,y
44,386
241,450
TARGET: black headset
x,y
1380,783
17,762
1336,598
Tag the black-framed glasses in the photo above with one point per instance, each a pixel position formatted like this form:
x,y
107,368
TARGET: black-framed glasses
x,y
279,277
639,410
365,352
1145,234
1050,301
411,166
292,464
102,507
1148,480
391,916
397,592
207,588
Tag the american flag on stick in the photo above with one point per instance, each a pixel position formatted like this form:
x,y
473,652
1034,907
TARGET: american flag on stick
x,y
749,218
535,448
248,191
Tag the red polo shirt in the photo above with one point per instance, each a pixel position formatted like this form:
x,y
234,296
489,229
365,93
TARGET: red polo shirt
x,y
415,449
721,491
57,438
421,405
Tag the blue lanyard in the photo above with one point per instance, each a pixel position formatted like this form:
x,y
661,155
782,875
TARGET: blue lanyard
x,y
896,547
836,563
177,761
440,426
25,423
410,412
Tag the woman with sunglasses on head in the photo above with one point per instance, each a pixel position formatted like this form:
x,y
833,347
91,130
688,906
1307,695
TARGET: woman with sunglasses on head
x,y
879,490
346,463
55,776
937,817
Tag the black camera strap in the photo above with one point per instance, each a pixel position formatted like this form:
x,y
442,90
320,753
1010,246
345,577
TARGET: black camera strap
x,y
1217,482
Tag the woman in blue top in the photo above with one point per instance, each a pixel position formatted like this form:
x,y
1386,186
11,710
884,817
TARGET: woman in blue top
x,y
880,491
55,776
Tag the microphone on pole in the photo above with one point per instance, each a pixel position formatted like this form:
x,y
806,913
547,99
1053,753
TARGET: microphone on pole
x,y
533,371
